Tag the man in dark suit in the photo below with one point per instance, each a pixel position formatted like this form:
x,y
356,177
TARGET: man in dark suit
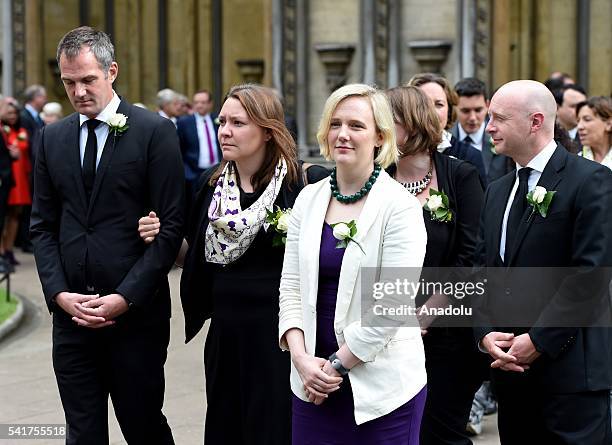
x,y
552,375
198,138
470,127
35,98
567,98
98,171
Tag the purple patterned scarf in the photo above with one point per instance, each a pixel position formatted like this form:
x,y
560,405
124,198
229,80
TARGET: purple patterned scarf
x,y
231,230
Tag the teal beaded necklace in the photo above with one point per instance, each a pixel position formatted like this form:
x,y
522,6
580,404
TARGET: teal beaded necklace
x,y
348,199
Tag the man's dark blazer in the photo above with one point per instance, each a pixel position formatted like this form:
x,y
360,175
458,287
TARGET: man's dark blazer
x,y
33,127
464,151
78,245
190,145
495,165
577,232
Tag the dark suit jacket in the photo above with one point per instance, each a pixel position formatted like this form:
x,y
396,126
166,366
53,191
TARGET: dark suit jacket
x,y
190,144
33,127
464,151
577,232
6,162
79,245
495,165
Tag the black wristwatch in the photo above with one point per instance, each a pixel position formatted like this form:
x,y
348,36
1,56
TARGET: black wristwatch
x,y
337,364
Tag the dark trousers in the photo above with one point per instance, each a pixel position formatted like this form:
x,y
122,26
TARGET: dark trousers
x,y
247,384
123,361
5,189
526,414
455,371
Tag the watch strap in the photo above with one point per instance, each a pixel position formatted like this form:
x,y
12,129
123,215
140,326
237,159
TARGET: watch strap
x,y
337,364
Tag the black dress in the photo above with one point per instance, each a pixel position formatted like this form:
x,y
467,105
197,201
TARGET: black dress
x,y
247,375
455,368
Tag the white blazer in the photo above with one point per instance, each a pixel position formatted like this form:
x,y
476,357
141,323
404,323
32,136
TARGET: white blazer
x,y
391,231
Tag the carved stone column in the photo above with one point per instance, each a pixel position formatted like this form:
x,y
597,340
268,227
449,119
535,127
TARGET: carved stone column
x,y
430,54
336,58
482,42
376,41
19,50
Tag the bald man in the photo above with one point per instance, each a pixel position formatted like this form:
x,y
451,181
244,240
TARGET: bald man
x,y
552,379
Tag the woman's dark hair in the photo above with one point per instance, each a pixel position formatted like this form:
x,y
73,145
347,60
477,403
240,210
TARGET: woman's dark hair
x,y
265,110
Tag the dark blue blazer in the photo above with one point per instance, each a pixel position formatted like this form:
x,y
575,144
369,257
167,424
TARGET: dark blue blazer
x,y
464,151
190,145
495,165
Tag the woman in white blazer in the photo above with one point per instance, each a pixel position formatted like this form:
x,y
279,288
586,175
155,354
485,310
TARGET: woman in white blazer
x,y
353,382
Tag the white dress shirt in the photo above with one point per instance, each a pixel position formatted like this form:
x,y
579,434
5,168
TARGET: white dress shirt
x,y
476,137
204,160
572,133
446,141
165,116
101,130
538,163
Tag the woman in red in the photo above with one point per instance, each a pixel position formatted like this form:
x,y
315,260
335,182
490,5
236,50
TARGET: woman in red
x,y
17,141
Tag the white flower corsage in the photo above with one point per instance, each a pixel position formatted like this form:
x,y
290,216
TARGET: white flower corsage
x,y
438,206
279,220
345,232
118,123
539,199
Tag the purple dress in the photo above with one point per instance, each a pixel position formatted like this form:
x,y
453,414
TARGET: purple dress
x,y
333,422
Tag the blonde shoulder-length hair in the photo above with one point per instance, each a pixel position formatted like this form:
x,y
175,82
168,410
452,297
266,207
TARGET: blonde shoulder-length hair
x,y
388,153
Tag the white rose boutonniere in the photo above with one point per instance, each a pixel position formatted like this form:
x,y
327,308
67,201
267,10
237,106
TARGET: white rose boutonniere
x,y
118,123
438,206
344,233
539,199
492,145
279,220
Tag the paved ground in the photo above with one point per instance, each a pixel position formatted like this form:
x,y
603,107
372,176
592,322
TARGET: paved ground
x,y
28,392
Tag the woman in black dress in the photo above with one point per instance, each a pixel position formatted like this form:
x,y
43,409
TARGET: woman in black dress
x,y
232,270
454,366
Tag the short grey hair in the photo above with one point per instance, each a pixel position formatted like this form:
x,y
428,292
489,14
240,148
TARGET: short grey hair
x,y
166,96
98,42
32,92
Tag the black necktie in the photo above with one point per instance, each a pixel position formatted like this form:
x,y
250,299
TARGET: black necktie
x,y
519,204
89,160
468,140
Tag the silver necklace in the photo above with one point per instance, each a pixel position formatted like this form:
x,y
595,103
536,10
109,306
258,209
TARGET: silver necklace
x,y
417,187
